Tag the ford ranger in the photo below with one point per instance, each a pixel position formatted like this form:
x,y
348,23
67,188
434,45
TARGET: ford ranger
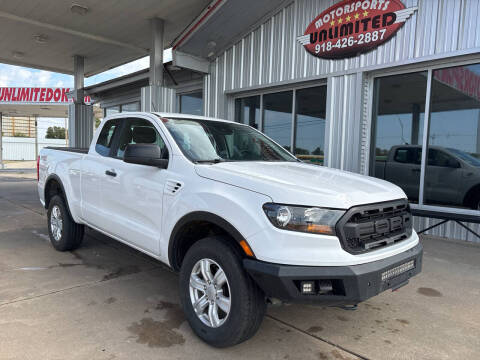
x,y
242,220
452,176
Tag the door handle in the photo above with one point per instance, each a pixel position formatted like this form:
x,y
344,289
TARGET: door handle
x,y
111,173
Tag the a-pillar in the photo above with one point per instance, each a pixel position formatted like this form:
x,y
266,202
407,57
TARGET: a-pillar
x,y
151,95
80,115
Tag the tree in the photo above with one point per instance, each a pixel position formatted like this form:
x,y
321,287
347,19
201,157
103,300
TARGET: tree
x,y
19,134
56,132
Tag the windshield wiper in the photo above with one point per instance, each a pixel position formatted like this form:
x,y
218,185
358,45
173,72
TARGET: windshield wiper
x,y
212,161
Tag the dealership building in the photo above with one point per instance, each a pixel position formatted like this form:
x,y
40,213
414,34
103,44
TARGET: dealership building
x,y
362,86
386,88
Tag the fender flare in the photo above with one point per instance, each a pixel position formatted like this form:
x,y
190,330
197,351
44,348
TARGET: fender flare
x,y
198,216
65,197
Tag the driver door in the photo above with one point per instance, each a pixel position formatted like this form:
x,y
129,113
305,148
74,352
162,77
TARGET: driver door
x,y
132,193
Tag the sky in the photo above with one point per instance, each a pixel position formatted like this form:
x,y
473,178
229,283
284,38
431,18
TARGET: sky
x,y
11,75
18,76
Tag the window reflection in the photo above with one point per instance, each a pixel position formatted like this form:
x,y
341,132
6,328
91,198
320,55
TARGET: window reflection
x,y
311,104
397,130
277,117
112,110
191,103
134,106
453,169
247,111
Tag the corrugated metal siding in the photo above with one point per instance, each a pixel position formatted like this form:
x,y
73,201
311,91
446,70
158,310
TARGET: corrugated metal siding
x,y
167,99
343,130
469,34
365,125
270,55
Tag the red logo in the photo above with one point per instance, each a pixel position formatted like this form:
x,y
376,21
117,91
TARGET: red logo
x,y
352,27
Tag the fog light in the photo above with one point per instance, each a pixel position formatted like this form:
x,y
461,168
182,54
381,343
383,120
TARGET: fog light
x,y
308,287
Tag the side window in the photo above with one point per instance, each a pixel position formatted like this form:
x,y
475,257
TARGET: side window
x,y
140,131
404,156
439,158
408,156
105,138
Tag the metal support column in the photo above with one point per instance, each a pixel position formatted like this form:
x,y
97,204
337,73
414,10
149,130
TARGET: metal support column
x,y
1,143
151,95
36,137
80,116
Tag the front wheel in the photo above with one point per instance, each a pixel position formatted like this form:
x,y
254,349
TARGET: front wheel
x,y
222,304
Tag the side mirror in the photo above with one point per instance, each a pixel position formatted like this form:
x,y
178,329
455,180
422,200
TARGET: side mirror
x,y
145,154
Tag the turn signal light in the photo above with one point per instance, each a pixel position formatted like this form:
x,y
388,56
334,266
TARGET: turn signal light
x,y
320,229
246,248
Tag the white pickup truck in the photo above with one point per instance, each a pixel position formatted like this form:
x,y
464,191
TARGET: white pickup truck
x,y
241,219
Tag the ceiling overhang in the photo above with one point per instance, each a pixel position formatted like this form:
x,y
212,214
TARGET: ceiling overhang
x,y
223,22
46,34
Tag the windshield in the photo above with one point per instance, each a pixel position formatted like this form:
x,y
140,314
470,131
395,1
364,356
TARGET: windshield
x,y
472,160
215,141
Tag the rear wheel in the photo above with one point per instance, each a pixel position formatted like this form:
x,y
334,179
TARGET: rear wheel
x,y
65,234
222,304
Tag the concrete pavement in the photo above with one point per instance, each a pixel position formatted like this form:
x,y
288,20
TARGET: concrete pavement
x,y
107,301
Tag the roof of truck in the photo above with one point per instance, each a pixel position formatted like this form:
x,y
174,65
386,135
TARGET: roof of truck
x,y
187,116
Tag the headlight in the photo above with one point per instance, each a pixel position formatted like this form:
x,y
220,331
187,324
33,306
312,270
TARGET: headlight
x,y
305,219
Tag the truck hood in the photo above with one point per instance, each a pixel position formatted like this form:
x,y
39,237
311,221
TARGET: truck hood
x,y
302,184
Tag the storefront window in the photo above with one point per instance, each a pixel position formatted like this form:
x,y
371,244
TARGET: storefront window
x,y
134,106
311,104
112,110
397,130
277,117
247,111
452,176
191,103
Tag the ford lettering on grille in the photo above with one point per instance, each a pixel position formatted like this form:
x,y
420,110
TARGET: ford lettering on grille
x,y
368,227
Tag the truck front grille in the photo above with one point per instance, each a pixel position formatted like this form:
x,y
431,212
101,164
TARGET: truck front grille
x,y
369,227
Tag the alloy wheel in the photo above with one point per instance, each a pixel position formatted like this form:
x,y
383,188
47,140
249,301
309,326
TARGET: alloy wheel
x,y
210,293
56,223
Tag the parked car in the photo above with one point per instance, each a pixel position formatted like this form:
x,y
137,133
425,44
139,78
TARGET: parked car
x,y
452,176
241,219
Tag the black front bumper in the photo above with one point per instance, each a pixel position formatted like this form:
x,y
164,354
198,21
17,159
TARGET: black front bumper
x,y
350,284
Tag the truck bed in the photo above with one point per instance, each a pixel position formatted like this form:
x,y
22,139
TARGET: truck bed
x,y
69,149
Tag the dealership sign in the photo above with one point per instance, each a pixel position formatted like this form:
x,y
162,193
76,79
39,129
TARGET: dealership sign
x,y
351,27
29,95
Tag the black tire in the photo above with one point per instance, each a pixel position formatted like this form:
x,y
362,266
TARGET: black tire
x,y
248,303
71,233
476,202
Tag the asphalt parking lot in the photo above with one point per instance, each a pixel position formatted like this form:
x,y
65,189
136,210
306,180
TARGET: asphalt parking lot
x,y
107,301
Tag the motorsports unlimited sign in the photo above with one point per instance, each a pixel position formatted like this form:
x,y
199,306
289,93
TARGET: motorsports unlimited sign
x,y
353,27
